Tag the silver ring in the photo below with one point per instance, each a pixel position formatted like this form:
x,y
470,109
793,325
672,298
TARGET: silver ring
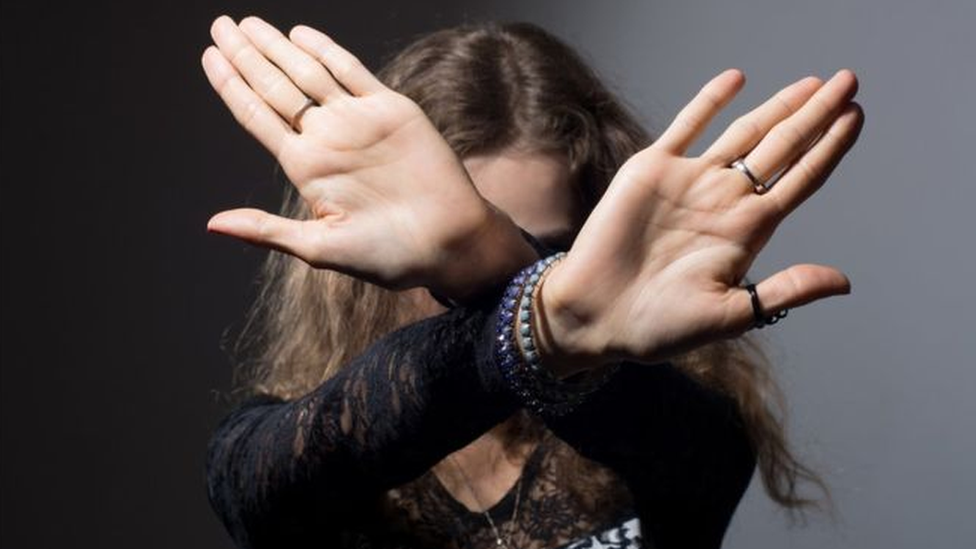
x,y
757,186
297,117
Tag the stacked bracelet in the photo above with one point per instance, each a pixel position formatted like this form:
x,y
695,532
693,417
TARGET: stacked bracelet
x,y
518,356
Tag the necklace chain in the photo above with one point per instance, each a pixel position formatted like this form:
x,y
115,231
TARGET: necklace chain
x,y
506,543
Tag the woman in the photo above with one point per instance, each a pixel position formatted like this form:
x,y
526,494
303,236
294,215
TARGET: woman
x,y
422,438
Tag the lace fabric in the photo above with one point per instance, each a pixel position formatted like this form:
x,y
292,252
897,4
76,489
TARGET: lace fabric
x,y
550,514
349,464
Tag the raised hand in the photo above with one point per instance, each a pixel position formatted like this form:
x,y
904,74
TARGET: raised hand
x,y
656,269
390,201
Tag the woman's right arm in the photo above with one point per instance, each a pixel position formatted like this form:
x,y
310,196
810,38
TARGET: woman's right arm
x,y
391,201
392,204
280,472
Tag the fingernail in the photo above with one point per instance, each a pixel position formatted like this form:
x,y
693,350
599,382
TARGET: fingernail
x,y
219,24
255,23
301,31
214,62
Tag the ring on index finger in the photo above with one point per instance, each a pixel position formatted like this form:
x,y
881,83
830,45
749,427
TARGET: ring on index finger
x,y
757,186
297,117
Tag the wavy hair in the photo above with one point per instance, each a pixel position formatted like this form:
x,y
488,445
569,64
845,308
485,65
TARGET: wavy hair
x,y
488,88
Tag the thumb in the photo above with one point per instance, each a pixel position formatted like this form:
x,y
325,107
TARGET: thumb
x,y
266,230
792,287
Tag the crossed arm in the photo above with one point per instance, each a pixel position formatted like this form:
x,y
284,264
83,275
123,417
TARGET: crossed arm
x,y
654,271
656,268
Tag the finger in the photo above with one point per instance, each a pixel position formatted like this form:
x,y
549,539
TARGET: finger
x,y
812,169
266,230
250,110
344,66
791,137
743,134
696,115
790,288
264,78
306,72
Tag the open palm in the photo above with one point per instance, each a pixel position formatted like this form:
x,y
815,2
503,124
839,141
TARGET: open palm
x,y
657,268
390,202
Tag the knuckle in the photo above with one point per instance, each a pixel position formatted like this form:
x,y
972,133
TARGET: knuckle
x,y
785,107
691,120
223,86
778,208
307,75
341,68
279,46
250,111
273,82
716,158
355,66
748,128
327,53
790,135
710,98
265,229
241,55
807,170
821,106
850,120
795,281
339,62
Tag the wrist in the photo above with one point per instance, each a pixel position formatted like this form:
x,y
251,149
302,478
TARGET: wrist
x,y
518,355
564,337
487,258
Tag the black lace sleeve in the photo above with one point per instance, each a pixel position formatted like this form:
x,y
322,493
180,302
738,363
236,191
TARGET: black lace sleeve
x,y
278,472
682,448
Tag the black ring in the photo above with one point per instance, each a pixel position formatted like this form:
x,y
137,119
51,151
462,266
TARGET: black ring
x,y
759,317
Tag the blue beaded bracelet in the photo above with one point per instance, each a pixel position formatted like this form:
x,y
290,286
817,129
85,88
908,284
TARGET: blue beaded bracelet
x,y
518,356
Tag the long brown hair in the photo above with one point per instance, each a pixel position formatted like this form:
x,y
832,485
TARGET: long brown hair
x,y
488,88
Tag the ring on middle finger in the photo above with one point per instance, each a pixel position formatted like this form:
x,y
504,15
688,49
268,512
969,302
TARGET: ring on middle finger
x,y
757,186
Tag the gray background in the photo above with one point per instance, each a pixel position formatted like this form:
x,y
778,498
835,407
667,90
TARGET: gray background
x,y
882,383
115,302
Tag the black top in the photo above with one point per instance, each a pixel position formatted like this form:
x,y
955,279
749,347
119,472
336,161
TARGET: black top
x,y
349,464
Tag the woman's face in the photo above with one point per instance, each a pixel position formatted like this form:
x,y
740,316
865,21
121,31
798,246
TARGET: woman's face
x,y
536,190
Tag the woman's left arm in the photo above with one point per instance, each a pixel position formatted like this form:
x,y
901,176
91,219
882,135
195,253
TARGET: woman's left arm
x,y
657,268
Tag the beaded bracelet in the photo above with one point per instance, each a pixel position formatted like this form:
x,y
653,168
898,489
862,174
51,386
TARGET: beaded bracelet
x,y
518,356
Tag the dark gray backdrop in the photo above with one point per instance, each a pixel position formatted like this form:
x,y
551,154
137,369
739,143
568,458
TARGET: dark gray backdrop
x,y
114,300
